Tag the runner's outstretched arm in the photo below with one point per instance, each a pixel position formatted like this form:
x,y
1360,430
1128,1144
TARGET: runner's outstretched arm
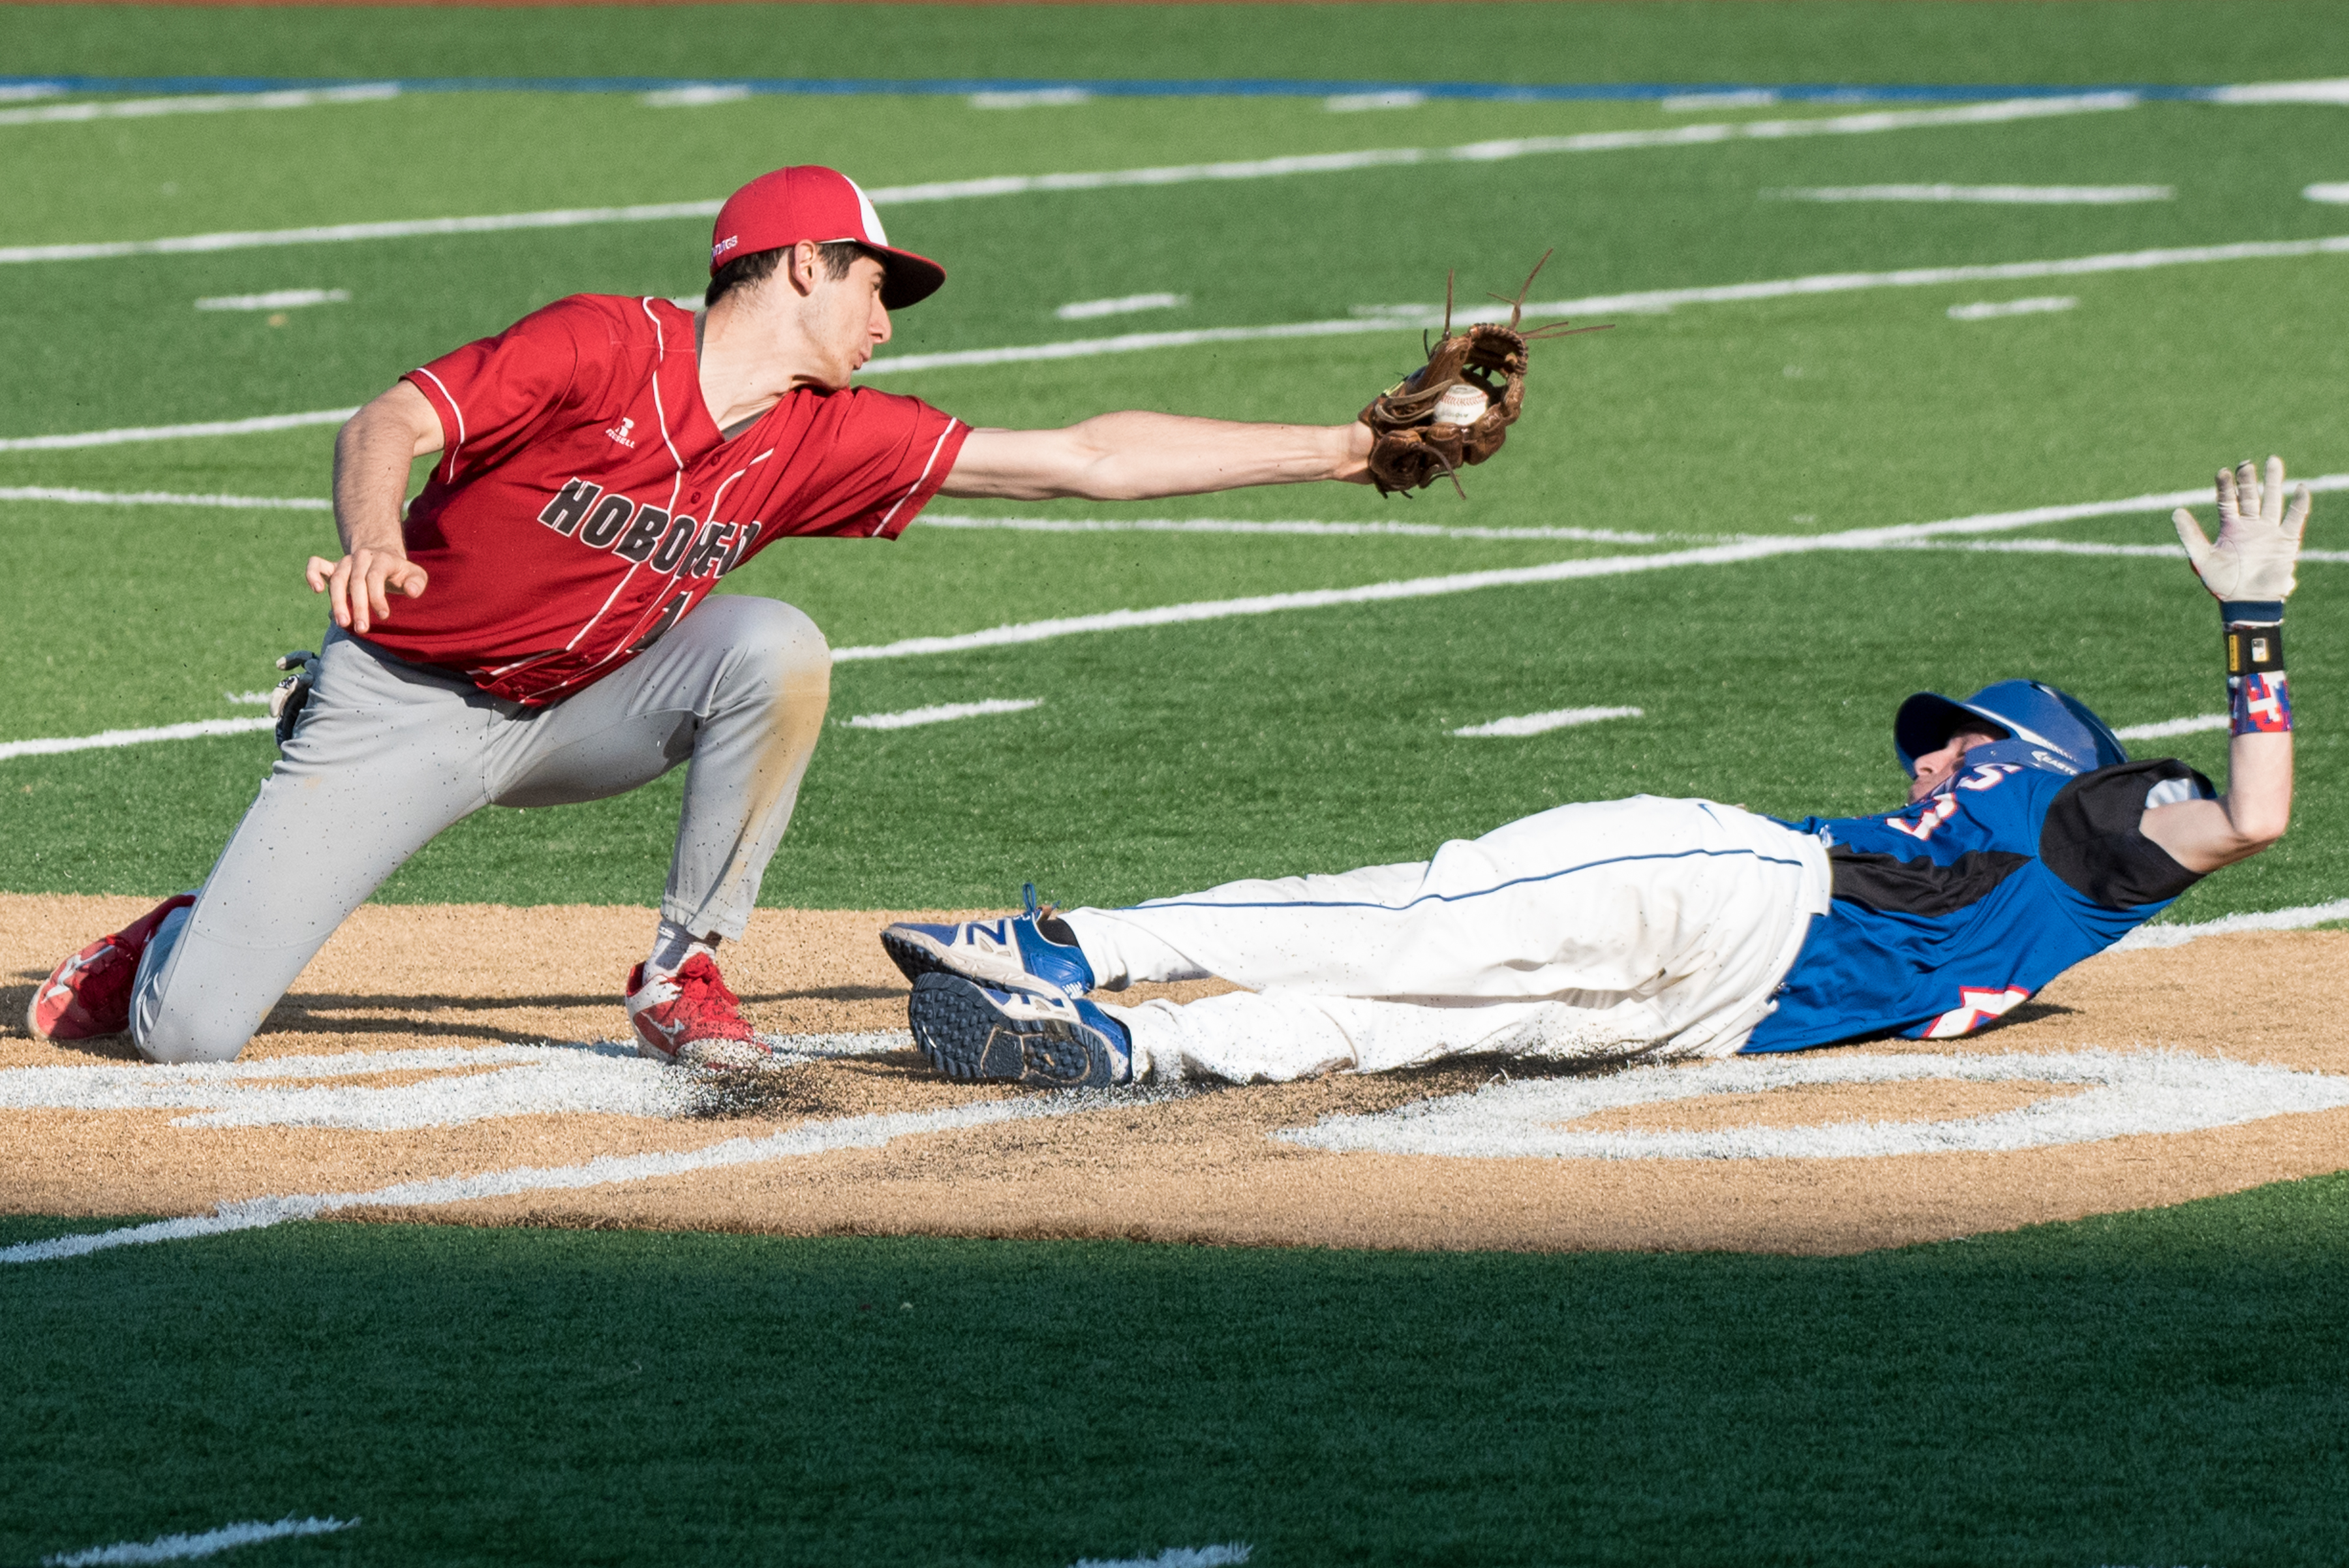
x,y
1135,456
2250,572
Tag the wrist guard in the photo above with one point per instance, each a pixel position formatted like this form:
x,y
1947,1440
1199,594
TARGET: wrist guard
x,y
2258,696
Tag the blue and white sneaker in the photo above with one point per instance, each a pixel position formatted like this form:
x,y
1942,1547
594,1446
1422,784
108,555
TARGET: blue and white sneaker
x,y
970,1030
1014,953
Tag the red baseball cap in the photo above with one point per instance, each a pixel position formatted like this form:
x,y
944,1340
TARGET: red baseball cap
x,y
809,201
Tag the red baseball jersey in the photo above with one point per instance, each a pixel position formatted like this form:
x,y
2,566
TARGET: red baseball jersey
x,y
585,500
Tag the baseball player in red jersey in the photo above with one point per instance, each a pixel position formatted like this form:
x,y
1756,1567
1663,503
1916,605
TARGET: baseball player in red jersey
x,y
602,463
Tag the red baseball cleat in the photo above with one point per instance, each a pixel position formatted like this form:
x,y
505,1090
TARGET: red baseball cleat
x,y
89,994
692,1018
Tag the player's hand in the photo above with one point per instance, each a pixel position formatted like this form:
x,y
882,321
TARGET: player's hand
x,y
2258,539
359,586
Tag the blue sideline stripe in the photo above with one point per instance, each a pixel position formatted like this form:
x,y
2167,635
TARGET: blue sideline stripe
x,y
1448,898
1230,86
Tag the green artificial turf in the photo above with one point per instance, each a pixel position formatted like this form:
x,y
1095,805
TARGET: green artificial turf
x,y
2162,1387
2157,1387
1789,41
1169,759
119,341
1165,760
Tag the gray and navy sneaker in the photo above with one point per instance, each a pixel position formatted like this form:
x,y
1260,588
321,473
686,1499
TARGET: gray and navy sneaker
x,y
1030,952
1053,1042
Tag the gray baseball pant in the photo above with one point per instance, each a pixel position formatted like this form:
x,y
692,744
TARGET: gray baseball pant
x,y
388,753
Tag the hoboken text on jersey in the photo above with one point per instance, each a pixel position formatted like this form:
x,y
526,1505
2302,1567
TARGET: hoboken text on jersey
x,y
647,533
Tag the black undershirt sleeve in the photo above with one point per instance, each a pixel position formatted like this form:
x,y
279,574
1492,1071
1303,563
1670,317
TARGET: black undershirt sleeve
x,y
2094,837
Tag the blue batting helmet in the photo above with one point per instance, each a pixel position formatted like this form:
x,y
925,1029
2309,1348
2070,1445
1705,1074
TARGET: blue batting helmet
x,y
2046,729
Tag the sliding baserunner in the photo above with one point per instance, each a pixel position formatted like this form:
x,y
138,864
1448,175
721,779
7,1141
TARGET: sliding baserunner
x,y
604,463
1670,927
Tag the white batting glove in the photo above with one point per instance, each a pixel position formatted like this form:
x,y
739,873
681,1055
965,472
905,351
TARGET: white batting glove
x,y
2258,539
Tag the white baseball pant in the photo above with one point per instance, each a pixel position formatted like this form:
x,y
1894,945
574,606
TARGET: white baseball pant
x,y
388,754
1611,929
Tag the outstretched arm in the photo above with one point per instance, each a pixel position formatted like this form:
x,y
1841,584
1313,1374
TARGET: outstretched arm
x,y
1135,456
2250,572
371,457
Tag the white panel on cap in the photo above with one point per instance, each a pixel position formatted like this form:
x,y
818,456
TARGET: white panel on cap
x,y
874,233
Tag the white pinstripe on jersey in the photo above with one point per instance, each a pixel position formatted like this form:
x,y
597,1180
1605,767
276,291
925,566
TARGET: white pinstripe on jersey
x,y
448,471
927,463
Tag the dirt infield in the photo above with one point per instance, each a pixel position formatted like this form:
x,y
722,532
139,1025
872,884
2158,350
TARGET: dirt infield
x,y
398,1060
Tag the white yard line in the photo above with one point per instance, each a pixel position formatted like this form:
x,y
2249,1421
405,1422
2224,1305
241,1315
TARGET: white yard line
x,y
104,740
2336,195
254,426
2093,548
1990,310
335,234
1124,304
281,299
1360,102
1100,179
207,103
2168,727
1031,98
1751,549
1224,1555
1130,343
180,1548
807,1139
1542,723
944,712
2332,90
1303,526
2028,195
696,94
77,497
1706,102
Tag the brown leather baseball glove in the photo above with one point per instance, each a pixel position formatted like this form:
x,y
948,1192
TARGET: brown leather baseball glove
x,y
1414,443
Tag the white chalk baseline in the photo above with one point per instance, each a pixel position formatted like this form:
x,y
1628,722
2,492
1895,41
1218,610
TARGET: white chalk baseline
x,y
809,1138
2128,1093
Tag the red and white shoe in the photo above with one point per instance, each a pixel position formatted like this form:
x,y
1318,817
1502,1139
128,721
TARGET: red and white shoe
x,y
89,994
692,1018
